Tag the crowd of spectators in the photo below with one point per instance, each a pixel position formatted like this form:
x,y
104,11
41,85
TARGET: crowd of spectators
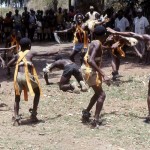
x,y
37,25
40,25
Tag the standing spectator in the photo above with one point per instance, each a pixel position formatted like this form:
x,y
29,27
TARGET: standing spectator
x,y
7,25
140,25
72,13
121,22
59,18
66,16
140,22
46,26
39,30
52,23
111,15
92,15
32,24
17,19
10,13
25,22
39,18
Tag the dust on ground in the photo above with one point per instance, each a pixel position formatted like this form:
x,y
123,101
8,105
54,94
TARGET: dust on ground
x,y
60,127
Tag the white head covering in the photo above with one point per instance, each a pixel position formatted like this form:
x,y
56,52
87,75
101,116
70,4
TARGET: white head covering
x,y
131,41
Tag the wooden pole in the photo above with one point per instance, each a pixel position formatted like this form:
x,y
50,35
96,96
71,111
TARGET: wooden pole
x,y
69,4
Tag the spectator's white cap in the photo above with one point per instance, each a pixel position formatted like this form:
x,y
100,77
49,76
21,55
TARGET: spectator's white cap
x,y
91,7
139,10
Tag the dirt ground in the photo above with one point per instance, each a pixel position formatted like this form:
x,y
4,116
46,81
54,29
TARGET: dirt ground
x,y
60,126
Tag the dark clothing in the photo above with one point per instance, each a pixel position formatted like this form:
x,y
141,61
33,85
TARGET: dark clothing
x,y
72,69
25,23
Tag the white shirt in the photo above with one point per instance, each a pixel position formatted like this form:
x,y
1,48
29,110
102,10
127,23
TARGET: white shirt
x,y
122,24
39,27
92,16
140,24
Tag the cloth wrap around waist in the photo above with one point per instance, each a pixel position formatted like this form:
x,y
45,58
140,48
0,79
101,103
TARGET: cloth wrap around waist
x,y
91,76
17,92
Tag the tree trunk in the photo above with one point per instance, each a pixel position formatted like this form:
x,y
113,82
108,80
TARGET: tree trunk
x,y
21,3
69,4
55,4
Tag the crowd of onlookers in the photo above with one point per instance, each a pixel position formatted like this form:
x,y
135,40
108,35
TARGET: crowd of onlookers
x,y
45,23
30,22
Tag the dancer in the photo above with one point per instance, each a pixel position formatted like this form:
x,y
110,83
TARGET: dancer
x,y
69,69
118,53
80,38
93,75
145,38
25,78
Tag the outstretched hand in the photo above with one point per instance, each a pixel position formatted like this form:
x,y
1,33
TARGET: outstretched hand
x,y
137,52
111,30
12,47
115,45
3,64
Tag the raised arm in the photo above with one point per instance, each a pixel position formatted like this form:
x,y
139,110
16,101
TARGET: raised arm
x,y
54,65
12,61
66,30
2,62
129,34
10,48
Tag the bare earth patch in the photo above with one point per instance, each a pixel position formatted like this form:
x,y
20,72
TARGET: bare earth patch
x,y
59,112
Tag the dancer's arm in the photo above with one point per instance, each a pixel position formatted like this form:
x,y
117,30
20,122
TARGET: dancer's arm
x,y
129,34
2,62
66,30
9,48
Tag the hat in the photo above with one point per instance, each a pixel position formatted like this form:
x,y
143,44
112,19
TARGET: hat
x,y
91,7
139,10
